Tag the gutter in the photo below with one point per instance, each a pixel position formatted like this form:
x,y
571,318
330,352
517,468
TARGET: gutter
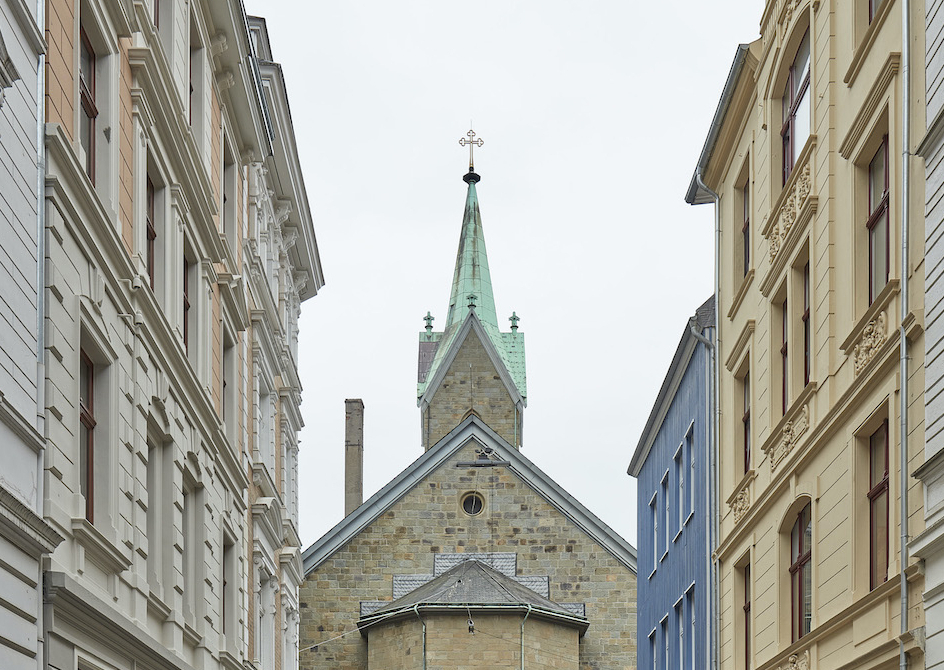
x,y
416,611
522,635
715,408
43,612
903,337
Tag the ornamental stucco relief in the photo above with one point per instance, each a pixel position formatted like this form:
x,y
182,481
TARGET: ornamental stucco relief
x,y
873,337
792,431
799,661
789,212
741,503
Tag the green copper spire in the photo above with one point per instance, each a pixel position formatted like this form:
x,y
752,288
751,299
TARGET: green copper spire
x,y
471,283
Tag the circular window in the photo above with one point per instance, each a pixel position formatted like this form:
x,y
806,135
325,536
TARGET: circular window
x,y
473,503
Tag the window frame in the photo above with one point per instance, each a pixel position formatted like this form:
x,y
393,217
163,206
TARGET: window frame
x,y
150,229
88,100
801,612
807,328
746,419
876,490
746,226
784,356
746,608
790,106
876,215
87,422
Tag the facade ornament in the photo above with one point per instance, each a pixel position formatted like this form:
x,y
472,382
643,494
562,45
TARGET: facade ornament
x,y
429,318
225,80
740,504
873,337
8,73
283,210
218,44
789,211
514,318
798,661
471,298
289,236
789,436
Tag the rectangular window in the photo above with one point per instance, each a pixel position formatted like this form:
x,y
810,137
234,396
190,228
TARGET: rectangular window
x,y
186,304
878,506
747,616
746,226
746,419
155,515
228,590
87,95
878,221
801,579
796,107
679,492
652,650
229,385
690,601
805,318
873,8
690,450
680,625
665,643
151,230
87,433
784,360
654,513
666,514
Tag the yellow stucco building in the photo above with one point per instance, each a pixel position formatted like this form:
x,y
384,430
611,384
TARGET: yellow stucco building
x,y
820,351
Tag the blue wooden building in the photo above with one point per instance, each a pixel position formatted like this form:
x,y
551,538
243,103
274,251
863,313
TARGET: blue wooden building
x,y
672,466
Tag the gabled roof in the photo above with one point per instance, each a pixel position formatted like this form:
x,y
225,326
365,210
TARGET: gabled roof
x,y
506,350
470,429
704,318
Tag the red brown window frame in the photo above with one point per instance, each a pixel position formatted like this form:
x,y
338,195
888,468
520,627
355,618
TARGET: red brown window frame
x,y
157,13
877,488
87,418
784,359
800,563
747,615
790,105
151,230
746,227
186,302
805,318
746,420
88,102
881,209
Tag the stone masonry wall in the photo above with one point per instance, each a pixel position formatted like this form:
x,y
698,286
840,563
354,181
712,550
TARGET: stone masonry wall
x,y
429,520
472,382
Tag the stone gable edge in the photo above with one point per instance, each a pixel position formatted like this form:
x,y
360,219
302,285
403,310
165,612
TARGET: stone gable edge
x,y
470,429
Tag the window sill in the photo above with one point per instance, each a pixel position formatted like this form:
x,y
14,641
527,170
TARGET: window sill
x,y
102,550
664,554
691,515
677,535
653,573
741,291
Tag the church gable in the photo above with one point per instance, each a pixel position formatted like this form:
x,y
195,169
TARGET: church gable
x,y
515,516
472,384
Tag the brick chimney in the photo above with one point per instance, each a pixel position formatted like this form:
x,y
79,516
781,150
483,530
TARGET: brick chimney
x,y
353,454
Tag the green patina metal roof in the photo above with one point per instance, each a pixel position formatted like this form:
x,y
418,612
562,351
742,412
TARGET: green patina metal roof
x,y
471,290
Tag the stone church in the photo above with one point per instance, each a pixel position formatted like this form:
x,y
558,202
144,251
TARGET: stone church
x,y
472,557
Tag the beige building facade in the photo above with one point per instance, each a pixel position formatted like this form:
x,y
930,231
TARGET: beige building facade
x,y
179,246
820,352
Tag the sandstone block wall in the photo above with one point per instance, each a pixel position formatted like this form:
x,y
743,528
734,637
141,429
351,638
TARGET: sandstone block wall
x,y
429,520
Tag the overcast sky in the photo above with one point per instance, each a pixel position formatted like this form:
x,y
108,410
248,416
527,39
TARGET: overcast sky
x,y
593,115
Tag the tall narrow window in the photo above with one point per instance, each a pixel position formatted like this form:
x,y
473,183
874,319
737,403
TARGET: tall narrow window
x,y
186,303
155,514
746,226
747,616
796,107
157,13
87,433
679,493
784,360
666,514
665,643
151,230
746,419
227,592
89,112
805,318
801,583
652,650
690,450
878,221
878,505
873,8
690,601
654,513
680,624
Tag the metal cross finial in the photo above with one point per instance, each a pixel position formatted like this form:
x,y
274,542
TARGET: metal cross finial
x,y
472,142
429,318
514,318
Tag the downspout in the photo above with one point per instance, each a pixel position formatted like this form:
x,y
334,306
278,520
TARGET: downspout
x,y
41,314
903,338
522,635
416,611
715,427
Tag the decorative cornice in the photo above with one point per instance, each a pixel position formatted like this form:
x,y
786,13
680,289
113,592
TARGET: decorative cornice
x,y
741,503
740,345
789,212
877,93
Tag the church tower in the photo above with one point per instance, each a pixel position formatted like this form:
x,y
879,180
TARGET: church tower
x,y
471,367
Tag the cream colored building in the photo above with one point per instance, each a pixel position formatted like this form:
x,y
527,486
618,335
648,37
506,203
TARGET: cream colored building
x,y
179,248
821,408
